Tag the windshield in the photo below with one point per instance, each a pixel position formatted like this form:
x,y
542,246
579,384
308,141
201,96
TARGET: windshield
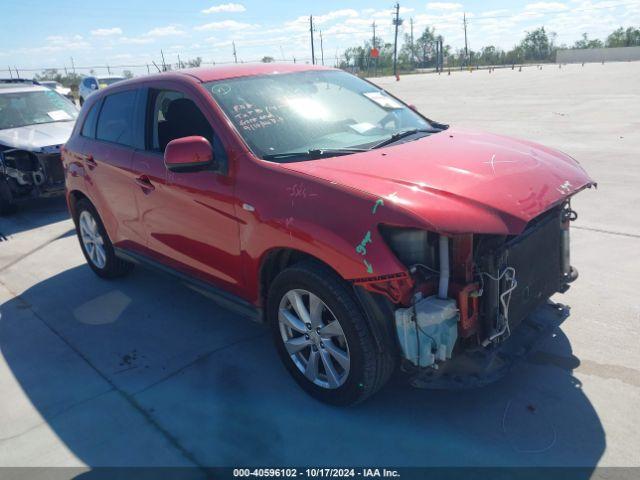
x,y
307,111
30,108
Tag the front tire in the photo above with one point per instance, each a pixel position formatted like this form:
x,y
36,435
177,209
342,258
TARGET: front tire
x,y
95,243
7,202
322,336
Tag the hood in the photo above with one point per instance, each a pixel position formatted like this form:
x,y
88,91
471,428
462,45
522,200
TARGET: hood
x,y
36,137
460,181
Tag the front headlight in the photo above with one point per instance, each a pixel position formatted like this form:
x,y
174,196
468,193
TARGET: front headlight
x,y
412,246
20,160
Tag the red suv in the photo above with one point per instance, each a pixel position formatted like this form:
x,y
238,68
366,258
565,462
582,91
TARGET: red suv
x,y
369,237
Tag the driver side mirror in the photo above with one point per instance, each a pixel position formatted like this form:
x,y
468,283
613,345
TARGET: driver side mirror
x,y
188,154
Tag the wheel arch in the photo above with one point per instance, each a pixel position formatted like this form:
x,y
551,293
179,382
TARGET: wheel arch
x,y
276,260
73,197
377,310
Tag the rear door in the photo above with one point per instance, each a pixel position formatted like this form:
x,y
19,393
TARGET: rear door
x,y
108,158
189,218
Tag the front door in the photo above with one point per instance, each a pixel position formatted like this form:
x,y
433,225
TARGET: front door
x,y
189,218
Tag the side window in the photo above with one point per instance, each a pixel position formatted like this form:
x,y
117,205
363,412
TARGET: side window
x,y
115,123
175,116
89,126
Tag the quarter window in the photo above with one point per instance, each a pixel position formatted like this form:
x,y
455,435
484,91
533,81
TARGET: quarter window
x,y
116,118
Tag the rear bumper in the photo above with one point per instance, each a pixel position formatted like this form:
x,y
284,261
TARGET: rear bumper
x,y
480,366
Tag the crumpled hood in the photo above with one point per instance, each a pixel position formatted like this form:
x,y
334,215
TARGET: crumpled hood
x,y
460,181
35,137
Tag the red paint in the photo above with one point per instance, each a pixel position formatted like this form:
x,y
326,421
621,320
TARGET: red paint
x,y
453,182
188,151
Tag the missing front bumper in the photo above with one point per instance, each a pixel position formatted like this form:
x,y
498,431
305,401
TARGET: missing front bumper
x,y
480,366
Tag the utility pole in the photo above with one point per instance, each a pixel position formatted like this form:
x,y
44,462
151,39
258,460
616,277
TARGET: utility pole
x,y
466,45
235,54
373,25
10,74
321,49
411,37
396,21
374,59
313,52
164,65
73,65
179,63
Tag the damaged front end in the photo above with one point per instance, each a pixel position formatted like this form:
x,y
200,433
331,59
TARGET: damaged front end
x,y
471,305
32,173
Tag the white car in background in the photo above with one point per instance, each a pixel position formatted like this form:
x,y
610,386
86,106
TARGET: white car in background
x,y
35,122
58,88
92,84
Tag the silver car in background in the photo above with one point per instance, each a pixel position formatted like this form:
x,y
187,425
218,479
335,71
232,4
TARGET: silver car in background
x,y
58,88
35,122
92,84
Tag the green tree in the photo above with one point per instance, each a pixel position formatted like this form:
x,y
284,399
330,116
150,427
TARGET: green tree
x,y
68,79
426,46
194,62
267,59
624,38
538,45
127,74
586,43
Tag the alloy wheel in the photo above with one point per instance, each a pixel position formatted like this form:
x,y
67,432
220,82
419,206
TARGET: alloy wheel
x,y
314,338
92,239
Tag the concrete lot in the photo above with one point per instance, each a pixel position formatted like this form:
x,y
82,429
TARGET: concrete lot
x,y
144,371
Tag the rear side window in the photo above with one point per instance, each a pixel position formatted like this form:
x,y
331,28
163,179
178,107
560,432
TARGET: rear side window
x,y
115,123
89,126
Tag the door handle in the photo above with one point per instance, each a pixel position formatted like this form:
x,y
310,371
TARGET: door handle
x,y
144,183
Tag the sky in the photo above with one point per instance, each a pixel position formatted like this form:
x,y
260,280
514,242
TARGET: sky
x,y
123,33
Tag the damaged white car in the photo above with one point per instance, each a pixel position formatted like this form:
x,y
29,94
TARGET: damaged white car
x,y
35,122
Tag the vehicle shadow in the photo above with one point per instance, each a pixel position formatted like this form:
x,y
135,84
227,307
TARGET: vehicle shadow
x,y
33,213
86,351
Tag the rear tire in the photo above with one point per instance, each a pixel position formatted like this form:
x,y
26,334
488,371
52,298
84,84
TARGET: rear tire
x,y
7,202
95,243
367,370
